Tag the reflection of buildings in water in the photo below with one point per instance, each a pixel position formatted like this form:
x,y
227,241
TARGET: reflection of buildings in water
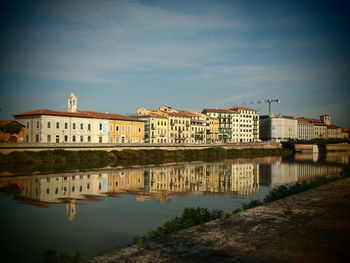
x,y
310,171
55,189
64,189
287,173
306,156
283,173
239,179
125,181
165,182
161,183
71,210
336,157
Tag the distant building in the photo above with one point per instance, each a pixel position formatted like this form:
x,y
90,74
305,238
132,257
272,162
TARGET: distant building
x,y
156,128
224,117
12,137
77,126
278,127
181,126
245,125
238,124
306,129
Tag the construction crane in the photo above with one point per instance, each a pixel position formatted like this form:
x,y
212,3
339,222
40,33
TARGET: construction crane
x,y
269,101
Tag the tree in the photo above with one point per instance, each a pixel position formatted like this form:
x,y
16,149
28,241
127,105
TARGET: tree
x,y
12,127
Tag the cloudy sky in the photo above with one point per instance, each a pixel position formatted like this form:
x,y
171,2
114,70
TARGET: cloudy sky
x,y
117,56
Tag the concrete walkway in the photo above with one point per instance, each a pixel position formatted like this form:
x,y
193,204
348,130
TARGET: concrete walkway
x,y
313,226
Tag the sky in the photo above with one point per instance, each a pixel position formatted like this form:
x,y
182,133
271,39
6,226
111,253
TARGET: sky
x,y
117,56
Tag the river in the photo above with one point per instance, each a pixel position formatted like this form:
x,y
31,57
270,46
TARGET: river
x,y
99,210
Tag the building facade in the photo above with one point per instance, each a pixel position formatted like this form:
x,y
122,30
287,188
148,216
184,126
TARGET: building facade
x,y
306,129
224,118
76,126
238,124
278,128
156,128
245,125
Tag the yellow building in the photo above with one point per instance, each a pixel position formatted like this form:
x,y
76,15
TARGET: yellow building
x,y
167,125
213,131
156,128
128,130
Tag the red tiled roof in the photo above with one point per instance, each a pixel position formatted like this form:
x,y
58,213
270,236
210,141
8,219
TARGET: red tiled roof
x,y
155,115
333,126
179,114
242,108
10,121
219,110
81,114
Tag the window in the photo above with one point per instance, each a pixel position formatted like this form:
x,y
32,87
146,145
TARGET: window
x,y
48,138
81,138
66,138
100,126
49,124
37,138
27,125
81,126
66,125
37,124
74,126
89,127
89,138
73,139
129,128
117,128
57,125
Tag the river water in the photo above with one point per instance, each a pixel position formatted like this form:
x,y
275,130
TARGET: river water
x,y
97,211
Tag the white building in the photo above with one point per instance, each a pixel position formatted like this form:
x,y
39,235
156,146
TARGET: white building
x,y
73,126
278,127
245,125
306,129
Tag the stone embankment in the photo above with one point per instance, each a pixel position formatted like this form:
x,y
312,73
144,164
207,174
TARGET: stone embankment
x,y
312,226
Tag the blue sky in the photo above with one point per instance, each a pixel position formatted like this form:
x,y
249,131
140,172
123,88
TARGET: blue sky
x,y
117,56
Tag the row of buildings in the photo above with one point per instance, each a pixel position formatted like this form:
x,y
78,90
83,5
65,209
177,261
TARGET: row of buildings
x,y
279,127
166,125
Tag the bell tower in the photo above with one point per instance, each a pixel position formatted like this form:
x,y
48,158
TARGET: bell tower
x,y
72,103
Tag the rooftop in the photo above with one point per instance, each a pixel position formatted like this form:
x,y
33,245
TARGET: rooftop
x,y
79,114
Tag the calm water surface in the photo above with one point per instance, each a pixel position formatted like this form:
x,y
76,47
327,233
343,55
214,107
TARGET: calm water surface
x,y
98,211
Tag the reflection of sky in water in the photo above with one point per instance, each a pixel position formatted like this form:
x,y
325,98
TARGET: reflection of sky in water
x,y
101,226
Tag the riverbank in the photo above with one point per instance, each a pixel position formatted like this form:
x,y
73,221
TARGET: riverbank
x,y
61,160
305,227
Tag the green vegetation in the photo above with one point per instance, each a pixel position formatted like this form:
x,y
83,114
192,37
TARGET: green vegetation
x,y
195,216
61,160
51,256
190,217
60,156
13,127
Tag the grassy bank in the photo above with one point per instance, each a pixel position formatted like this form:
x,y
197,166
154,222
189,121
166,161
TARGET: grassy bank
x,y
195,216
61,160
